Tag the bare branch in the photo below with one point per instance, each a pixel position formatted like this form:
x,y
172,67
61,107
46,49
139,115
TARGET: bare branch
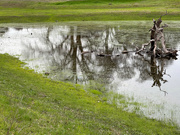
x,y
165,25
144,45
164,14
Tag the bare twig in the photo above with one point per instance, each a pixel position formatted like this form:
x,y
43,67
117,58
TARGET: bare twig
x,y
165,92
164,14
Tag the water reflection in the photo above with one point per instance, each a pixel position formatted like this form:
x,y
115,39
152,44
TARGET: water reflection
x,y
57,49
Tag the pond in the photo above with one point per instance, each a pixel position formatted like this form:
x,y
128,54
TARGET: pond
x,y
56,50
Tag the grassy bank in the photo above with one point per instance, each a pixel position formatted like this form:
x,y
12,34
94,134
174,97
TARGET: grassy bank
x,y
33,104
86,10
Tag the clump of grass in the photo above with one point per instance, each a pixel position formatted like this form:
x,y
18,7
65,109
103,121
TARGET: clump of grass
x,y
32,104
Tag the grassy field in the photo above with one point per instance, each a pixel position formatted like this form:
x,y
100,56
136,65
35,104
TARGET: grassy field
x,y
33,104
86,10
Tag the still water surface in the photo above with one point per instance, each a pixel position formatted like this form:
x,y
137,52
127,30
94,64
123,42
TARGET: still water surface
x,y
56,49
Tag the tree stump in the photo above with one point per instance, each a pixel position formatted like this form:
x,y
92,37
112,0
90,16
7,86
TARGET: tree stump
x,y
157,35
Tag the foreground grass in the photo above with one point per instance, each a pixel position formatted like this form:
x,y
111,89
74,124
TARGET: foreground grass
x,y
86,10
32,104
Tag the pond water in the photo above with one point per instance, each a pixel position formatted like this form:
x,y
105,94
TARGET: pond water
x,y
56,49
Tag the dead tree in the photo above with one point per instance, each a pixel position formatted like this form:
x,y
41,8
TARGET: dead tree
x,y
157,35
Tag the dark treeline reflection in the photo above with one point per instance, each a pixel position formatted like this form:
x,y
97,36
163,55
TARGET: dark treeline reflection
x,y
61,48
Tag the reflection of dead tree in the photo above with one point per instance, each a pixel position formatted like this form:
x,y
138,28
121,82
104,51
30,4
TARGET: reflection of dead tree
x,y
156,72
158,35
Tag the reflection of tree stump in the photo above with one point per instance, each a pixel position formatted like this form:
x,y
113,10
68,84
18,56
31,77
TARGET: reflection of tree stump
x,y
158,35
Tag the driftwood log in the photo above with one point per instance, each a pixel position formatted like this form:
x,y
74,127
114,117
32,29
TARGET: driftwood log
x,y
157,35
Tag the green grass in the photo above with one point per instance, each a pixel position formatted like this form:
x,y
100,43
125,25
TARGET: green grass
x,y
75,2
33,104
87,10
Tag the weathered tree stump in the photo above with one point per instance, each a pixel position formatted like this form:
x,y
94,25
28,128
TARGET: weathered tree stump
x,y
157,35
